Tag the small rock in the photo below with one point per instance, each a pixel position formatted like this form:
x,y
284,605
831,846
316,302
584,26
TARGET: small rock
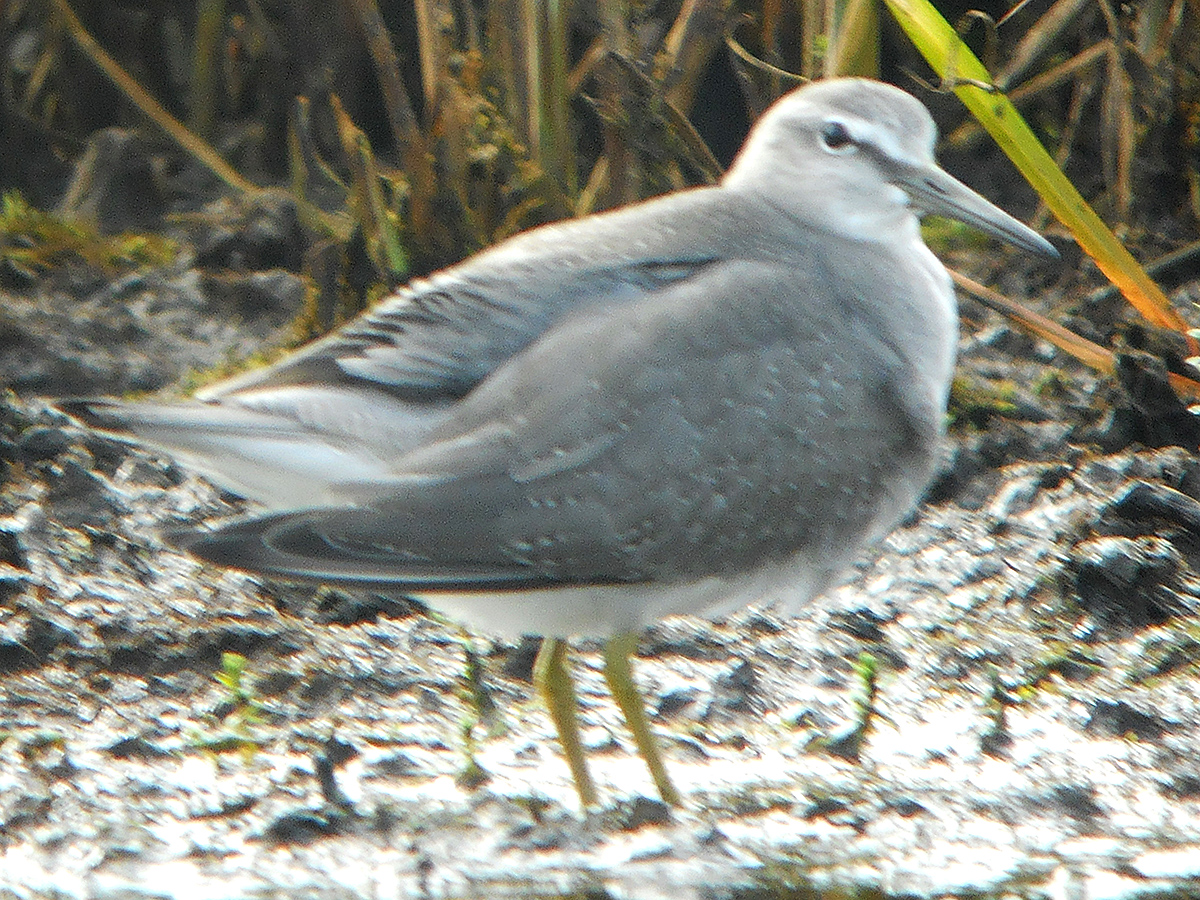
x,y
136,747
1117,719
644,811
250,235
1077,801
1131,581
301,827
674,702
41,443
12,552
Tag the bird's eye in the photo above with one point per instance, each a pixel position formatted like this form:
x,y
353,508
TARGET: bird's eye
x,y
836,137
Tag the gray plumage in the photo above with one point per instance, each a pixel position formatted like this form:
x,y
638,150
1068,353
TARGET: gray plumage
x,y
689,404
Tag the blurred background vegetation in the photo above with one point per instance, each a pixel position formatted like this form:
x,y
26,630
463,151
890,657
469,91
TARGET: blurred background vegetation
x,y
393,138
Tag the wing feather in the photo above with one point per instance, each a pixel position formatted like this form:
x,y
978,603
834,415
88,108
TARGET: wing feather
x,y
436,339
707,431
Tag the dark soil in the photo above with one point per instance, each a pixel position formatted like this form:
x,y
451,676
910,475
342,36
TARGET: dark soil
x,y
1035,629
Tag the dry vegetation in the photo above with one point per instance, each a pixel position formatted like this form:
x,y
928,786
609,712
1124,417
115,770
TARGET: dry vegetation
x,y
411,135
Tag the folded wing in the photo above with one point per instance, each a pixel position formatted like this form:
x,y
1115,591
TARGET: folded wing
x,y
702,432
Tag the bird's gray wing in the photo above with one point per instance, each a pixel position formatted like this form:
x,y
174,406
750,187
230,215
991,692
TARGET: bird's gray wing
x,y
347,406
434,340
721,426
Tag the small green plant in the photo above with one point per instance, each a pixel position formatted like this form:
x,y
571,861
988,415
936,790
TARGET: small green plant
x,y
472,774
1051,384
997,737
974,403
1060,659
849,742
480,710
44,742
33,242
239,713
233,678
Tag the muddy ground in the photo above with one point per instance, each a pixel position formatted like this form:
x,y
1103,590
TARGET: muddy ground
x,y
1034,730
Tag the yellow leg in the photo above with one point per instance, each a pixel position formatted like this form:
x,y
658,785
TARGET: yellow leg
x,y
619,675
553,682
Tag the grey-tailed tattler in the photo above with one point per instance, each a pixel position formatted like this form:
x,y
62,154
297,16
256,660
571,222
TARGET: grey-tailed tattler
x,y
711,398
